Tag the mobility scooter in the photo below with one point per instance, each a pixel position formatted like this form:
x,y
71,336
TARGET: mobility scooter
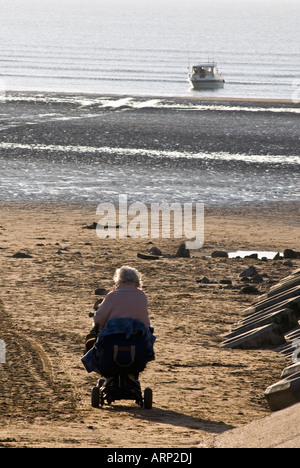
x,y
120,352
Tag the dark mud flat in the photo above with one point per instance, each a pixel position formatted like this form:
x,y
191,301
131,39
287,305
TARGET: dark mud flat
x,y
247,127
73,147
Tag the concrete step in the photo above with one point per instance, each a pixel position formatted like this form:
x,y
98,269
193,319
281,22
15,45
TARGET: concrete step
x,y
290,370
284,393
267,336
285,318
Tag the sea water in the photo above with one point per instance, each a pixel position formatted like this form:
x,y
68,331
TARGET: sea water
x,y
147,47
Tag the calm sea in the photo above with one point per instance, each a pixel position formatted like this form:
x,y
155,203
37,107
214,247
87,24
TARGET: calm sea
x,y
147,46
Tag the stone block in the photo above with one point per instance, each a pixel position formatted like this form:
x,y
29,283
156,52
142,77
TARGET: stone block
x,y
284,393
272,301
285,319
267,336
284,286
290,370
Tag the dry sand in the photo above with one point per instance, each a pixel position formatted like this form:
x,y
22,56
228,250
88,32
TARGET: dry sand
x,y
200,390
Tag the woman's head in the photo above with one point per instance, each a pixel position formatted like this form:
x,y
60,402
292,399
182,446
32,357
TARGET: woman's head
x,y
128,275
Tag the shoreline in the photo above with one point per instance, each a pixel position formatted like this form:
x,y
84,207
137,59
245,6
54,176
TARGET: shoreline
x,y
235,209
210,99
283,209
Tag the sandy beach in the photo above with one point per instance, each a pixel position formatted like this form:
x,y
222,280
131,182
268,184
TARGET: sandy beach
x,y
63,154
200,390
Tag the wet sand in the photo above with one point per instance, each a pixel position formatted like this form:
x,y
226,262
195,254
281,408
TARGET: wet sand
x,y
200,390
61,147
103,121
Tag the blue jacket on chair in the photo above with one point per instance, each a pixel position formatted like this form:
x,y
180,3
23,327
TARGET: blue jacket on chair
x,y
125,333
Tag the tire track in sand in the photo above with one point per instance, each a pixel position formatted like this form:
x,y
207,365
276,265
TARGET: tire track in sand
x,y
29,386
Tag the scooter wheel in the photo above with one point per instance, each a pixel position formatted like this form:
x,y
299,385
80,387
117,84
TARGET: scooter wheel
x,y
95,397
148,398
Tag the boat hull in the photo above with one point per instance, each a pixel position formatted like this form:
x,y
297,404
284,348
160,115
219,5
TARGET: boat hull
x,y
207,84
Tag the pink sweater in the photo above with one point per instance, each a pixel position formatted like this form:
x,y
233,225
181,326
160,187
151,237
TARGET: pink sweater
x,y
126,301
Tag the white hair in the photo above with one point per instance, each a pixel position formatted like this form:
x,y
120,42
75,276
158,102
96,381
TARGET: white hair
x,y
127,274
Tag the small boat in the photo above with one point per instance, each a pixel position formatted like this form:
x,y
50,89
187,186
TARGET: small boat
x,y
206,76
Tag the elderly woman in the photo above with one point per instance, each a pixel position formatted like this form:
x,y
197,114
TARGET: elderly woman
x,y
127,300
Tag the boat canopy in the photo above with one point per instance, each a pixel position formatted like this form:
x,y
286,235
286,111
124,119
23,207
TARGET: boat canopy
x,y
205,65
205,69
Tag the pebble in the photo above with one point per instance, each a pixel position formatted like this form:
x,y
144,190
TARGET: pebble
x,y
219,254
182,251
155,251
21,255
249,290
147,257
203,280
290,253
251,271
